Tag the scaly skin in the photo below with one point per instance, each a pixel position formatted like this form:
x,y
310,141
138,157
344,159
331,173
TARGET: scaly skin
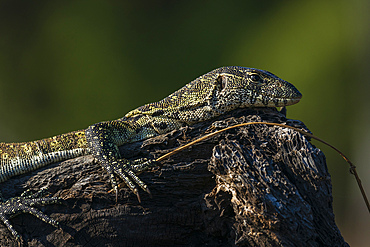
x,y
208,96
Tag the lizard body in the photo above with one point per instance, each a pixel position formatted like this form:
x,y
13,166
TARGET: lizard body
x,y
208,96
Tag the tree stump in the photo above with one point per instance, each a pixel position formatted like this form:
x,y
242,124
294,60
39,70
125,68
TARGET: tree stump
x,y
256,185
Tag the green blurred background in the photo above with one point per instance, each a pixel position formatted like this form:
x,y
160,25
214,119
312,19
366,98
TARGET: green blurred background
x,y
68,64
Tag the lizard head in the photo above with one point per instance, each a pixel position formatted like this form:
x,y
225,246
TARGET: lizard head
x,y
247,87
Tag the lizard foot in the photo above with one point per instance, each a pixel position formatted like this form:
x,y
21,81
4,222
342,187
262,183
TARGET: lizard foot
x,y
126,170
24,204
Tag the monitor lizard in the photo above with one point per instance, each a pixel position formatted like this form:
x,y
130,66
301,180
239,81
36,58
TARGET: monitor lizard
x,y
210,95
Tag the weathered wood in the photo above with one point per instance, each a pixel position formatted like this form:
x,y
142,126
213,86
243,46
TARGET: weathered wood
x,y
252,186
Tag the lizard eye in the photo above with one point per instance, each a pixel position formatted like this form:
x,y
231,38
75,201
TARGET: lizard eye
x,y
255,78
221,82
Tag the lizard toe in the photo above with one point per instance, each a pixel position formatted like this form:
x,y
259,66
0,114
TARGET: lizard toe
x,y
141,165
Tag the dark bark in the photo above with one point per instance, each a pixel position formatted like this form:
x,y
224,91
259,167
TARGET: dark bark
x,y
251,186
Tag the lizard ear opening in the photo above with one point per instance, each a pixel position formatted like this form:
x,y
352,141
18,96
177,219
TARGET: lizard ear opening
x,y
221,82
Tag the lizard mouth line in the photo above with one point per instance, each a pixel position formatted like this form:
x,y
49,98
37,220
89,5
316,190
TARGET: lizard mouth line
x,y
272,96
271,101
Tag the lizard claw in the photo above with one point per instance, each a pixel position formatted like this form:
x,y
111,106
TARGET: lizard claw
x,y
137,195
